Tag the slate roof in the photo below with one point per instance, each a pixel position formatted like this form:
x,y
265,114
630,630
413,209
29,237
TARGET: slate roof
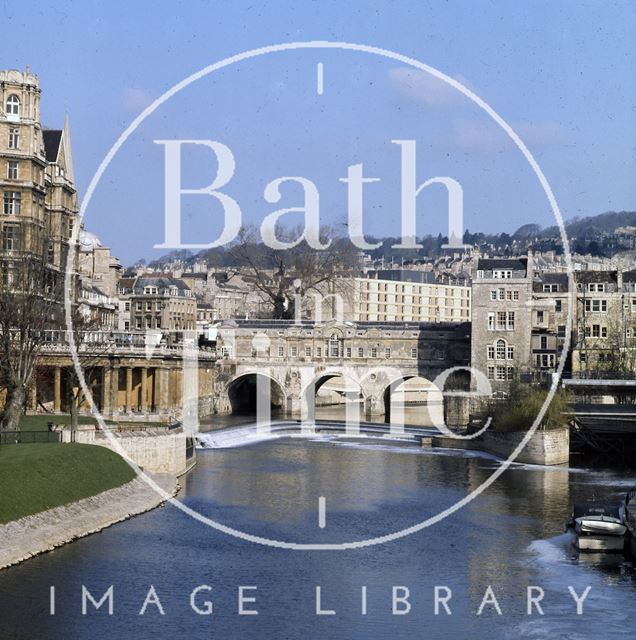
x,y
515,264
52,139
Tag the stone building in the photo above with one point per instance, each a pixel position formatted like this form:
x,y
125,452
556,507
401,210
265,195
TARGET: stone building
x,y
39,199
158,302
501,318
604,321
550,294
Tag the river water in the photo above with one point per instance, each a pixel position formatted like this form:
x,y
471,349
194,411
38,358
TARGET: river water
x,y
511,537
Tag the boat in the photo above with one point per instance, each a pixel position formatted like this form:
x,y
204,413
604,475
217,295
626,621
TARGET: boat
x,y
630,519
598,527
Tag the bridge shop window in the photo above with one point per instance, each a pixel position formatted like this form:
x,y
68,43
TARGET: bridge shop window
x,y
414,354
281,351
307,352
360,352
334,346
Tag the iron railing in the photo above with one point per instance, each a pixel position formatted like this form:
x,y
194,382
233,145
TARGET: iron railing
x,y
29,437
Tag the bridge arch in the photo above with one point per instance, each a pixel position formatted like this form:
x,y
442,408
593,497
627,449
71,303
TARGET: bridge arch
x,y
248,390
351,391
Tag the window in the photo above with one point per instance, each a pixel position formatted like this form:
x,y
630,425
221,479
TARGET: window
x,y
596,330
148,306
318,352
334,346
500,372
501,320
543,342
603,332
13,107
502,294
491,352
307,352
515,295
491,321
561,331
138,323
12,201
226,351
596,305
540,315
511,321
138,306
557,305
493,295
500,349
50,253
13,169
503,274
374,352
491,373
293,352
10,237
14,139
414,354
387,352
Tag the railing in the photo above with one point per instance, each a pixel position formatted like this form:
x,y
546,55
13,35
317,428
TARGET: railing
x,y
29,437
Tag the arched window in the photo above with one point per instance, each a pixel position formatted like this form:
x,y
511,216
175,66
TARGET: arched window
x,y
500,350
334,346
13,106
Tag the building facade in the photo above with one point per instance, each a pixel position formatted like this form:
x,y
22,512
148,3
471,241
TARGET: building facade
x,y
39,199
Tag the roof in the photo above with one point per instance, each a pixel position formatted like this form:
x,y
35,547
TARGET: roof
x,y
52,139
516,264
161,283
629,276
595,276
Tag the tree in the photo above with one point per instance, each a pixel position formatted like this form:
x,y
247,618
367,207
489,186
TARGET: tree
x,y
284,276
30,295
91,344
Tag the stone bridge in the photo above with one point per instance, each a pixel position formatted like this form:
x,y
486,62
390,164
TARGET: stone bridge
x,y
283,365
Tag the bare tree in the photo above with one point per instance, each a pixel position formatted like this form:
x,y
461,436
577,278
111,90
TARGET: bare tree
x,y
29,304
283,276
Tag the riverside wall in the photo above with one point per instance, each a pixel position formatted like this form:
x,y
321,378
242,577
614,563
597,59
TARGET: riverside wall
x,y
547,447
27,537
154,450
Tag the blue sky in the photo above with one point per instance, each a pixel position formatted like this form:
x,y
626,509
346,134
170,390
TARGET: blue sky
x,y
562,74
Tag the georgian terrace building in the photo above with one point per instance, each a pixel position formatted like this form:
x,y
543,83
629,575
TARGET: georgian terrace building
x,y
157,302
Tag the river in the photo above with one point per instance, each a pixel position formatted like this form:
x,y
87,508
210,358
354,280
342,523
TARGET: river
x,y
509,538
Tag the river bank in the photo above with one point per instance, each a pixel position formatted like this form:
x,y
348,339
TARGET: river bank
x,y
35,534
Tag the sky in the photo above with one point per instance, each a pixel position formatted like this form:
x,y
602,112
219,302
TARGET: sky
x,y
563,75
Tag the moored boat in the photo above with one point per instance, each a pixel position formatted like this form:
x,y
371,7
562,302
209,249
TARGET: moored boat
x,y
630,519
598,527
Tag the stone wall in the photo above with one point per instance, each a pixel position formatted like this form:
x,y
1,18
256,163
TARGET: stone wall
x,y
29,536
545,447
153,450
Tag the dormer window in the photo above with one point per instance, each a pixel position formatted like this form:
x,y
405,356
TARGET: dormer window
x,y
13,107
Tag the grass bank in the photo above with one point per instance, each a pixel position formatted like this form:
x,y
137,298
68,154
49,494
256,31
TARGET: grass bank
x,y
36,477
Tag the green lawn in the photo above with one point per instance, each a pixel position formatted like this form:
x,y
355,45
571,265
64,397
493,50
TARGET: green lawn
x,y
40,422
36,477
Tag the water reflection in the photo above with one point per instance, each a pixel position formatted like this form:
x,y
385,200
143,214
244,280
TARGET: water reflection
x,y
510,537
